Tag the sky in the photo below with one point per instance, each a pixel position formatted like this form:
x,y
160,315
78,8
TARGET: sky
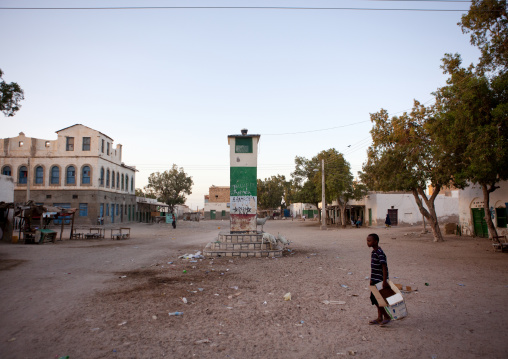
x,y
171,84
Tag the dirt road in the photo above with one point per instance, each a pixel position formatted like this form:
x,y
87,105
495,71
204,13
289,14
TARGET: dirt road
x,y
111,299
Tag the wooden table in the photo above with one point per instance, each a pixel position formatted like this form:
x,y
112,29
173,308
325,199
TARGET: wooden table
x,y
95,232
121,233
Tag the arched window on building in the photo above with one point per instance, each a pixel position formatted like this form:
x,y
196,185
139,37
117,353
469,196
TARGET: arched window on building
x,y
39,175
7,171
107,178
112,179
118,180
23,175
55,175
70,177
122,181
132,184
127,183
101,178
85,175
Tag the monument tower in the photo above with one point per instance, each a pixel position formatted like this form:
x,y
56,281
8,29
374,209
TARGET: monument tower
x,y
243,239
243,159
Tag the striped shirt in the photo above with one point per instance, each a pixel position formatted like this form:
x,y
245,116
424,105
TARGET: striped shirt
x,y
378,258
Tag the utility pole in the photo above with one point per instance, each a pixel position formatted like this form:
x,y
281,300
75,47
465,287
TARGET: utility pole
x,y
323,200
28,177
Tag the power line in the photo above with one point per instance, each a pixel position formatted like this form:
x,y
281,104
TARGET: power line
x,y
234,8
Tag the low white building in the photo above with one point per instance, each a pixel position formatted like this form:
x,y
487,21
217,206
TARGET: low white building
x,y
298,210
400,206
471,212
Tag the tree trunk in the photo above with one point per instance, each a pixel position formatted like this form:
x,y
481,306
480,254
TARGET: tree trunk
x,y
342,207
486,204
430,214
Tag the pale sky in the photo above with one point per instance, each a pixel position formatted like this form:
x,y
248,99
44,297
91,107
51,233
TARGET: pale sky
x,y
171,84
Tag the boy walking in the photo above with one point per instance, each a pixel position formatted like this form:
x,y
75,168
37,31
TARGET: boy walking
x,y
378,273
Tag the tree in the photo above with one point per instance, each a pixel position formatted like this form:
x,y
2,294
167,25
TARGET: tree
x,y
271,192
471,124
403,157
140,193
339,182
487,21
10,97
304,179
170,186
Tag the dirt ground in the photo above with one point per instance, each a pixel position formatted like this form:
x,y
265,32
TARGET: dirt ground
x,y
111,299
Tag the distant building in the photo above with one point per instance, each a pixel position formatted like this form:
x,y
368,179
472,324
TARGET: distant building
x,y
80,169
472,215
217,203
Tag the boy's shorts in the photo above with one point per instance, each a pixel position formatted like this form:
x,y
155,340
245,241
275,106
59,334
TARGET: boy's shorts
x,y
373,299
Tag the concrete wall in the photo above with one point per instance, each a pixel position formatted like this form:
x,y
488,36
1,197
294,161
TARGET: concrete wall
x,y
472,197
447,208
6,189
92,198
218,194
218,207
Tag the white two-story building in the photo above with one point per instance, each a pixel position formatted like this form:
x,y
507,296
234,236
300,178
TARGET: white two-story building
x,y
80,169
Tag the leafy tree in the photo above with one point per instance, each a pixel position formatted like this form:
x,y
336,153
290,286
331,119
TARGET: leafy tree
x,y
487,21
271,192
403,157
339,182
140,193
471,124
304,180
10,96
170,186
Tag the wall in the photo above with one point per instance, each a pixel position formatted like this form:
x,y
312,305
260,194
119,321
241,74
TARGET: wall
x,y
447,208
218,207
218,194
472,197
6,189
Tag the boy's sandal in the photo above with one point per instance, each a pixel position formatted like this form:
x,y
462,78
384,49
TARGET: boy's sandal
x,y
374,322
384,322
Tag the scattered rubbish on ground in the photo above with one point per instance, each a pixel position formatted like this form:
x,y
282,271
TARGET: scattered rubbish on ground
x,y
333,302
123,276
462,285
200,289
234,287
12,339
184,300
154,317
192,256
202,341
265,303
350,273
427,284
344,286
351,352
122,323
184,271
174,314
94,329
406,288
287,296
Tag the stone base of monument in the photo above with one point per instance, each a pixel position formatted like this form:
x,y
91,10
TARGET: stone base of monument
x,y
240,245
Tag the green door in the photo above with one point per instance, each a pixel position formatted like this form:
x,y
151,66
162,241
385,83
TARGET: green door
x,y
212,214
370,216
480,226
